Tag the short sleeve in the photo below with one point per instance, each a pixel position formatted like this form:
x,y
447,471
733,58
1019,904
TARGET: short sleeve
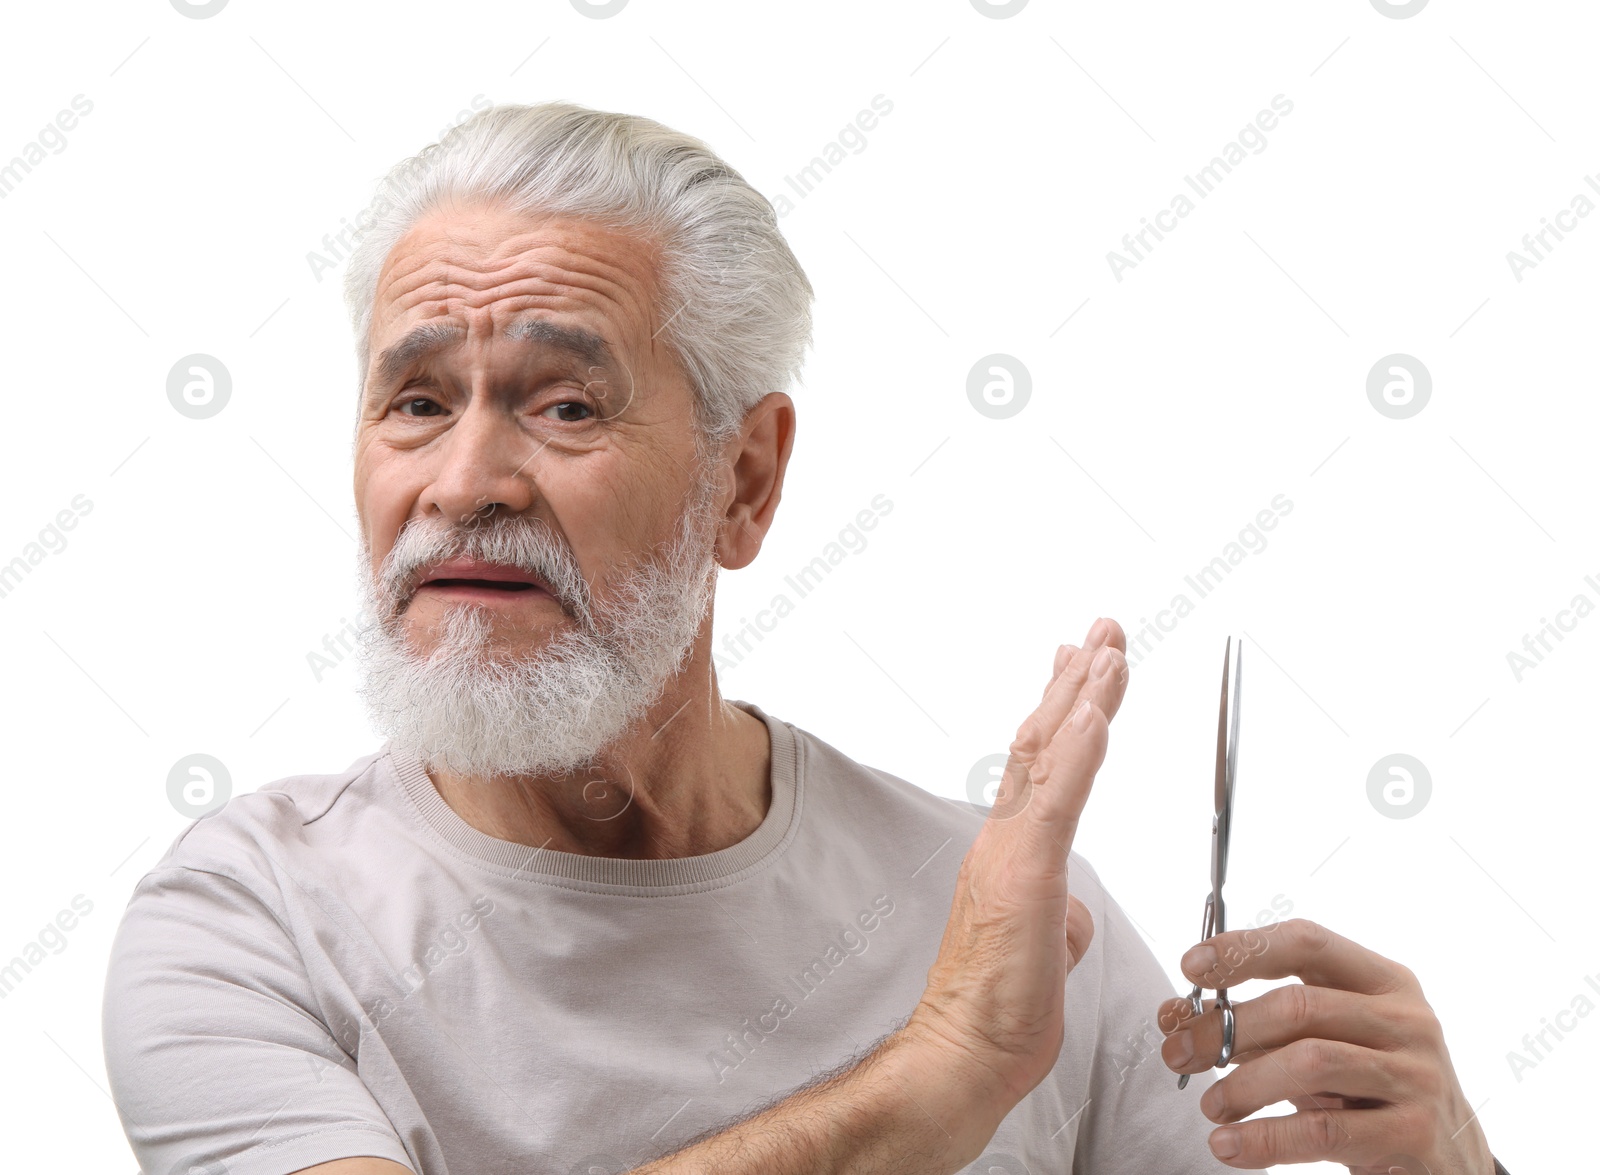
x,y
218,1057
1137,1121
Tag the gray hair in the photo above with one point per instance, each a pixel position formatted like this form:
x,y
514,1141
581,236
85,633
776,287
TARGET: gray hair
x,y
737,305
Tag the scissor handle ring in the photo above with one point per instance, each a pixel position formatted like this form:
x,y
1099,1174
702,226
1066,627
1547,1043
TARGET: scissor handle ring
x,y
1225,1006
1227,1029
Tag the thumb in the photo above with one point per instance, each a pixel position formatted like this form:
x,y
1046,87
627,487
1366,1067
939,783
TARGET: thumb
x,y
1080,931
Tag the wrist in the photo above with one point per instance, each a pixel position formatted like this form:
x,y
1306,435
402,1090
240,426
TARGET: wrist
x,y
936,1094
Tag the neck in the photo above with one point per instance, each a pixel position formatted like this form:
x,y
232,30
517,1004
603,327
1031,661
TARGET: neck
x,y
691,777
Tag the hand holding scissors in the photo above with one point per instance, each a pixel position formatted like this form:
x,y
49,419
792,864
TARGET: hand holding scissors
x,y
1355,1048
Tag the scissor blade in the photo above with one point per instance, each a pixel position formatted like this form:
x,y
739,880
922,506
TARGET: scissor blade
x,y
1227,760
1222,730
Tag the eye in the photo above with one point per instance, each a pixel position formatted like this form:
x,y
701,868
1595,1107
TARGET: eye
x,y
570,404
405,406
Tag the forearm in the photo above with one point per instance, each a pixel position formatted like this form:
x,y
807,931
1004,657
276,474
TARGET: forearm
x,y
900,1110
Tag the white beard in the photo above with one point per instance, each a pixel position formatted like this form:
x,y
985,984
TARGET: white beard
x,y
473,710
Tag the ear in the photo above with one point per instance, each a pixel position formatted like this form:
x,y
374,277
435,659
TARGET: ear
x,y
758,459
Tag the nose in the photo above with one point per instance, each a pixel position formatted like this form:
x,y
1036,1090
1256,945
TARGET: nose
x,y
485,466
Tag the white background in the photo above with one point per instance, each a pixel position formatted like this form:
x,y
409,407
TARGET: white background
x,y
1228,367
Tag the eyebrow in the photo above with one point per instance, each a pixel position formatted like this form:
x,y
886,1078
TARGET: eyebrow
x,y
430,338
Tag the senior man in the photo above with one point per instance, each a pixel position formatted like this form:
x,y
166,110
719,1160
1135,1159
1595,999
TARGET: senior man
x,y
579,913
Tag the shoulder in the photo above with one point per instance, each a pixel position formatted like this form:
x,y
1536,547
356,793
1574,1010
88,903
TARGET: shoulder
x,y
251,835
877,800
833,777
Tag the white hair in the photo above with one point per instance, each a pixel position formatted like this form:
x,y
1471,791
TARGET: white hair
x,y
736,306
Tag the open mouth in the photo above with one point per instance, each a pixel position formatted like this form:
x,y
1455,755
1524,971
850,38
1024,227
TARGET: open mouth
x,y
493,585
481,580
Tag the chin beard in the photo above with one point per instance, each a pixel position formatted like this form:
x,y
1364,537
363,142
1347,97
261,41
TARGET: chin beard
x,y
471,708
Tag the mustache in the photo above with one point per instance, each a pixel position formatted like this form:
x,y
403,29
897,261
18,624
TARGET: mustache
x,y
526,543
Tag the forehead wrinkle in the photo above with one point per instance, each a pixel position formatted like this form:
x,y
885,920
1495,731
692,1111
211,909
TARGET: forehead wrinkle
x,y
460,269
439,284
449,271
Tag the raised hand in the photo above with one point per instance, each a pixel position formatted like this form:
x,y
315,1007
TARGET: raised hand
x,y
993,1009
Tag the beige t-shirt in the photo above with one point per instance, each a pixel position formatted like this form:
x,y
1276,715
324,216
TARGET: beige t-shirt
x,y
339,965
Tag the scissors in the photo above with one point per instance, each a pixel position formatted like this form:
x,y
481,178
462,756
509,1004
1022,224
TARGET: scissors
x,y
1221,824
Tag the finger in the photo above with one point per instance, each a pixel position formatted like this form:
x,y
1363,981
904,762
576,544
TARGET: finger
x,y
1283,1016
1108,681
1064,654
1298,947
1306,1068
1062,694
1176,1015
1055,794
1102,692
1108,673
1060,699
1355,1138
